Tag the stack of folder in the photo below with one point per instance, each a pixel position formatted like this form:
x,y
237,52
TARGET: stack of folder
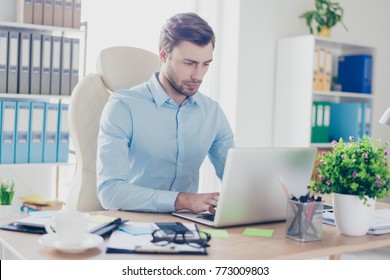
x,y
332,121
38,63
33,132
39,203
322,74
65,13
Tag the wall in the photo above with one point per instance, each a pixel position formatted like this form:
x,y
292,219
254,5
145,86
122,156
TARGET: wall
x,y
263,22
135,23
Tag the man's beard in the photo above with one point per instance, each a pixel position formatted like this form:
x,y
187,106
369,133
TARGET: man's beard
x,y
179,86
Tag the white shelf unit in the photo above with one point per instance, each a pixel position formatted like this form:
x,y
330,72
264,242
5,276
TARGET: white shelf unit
x,y
53,31
294,92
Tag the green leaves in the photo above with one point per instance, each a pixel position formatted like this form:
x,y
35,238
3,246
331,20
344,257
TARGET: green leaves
x,y
6,192
308,16
327,14
358,168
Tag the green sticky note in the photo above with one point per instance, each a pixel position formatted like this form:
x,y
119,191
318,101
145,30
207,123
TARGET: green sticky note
x,y
258,232
217,233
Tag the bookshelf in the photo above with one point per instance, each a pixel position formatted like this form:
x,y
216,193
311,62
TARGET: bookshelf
x,y
294,94
24,172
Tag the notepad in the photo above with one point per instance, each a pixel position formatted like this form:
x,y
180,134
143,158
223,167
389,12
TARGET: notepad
x,y
380,223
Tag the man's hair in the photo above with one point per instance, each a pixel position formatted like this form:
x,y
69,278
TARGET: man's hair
x,y
186,27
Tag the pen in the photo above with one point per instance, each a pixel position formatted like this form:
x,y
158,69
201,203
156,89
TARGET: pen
x,y
109,228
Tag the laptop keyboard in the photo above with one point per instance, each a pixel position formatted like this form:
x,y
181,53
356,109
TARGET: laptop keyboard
x,y
208,217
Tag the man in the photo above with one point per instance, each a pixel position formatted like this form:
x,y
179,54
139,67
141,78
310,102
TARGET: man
x,y
154,137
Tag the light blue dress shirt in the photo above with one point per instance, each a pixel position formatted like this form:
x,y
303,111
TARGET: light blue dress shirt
x,y
150,149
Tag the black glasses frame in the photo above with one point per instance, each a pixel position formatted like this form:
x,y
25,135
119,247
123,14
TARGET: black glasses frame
x,y
166,237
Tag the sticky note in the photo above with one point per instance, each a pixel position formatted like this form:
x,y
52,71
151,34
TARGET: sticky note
x,y
101,219
258,232
217,233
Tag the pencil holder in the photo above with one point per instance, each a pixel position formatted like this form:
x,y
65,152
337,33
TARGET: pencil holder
x,y
304,220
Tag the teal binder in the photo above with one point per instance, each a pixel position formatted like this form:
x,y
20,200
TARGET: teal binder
x,y
36,131
22,140
50,133
8,114
349,119
63,134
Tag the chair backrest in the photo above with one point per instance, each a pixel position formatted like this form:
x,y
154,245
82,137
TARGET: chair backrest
x,y
117,67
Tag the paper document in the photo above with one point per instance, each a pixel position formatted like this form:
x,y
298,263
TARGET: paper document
x,y
380,223
134,237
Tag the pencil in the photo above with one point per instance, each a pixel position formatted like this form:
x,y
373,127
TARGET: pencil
x,y
284,187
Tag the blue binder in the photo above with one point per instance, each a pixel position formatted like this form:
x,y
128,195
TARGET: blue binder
x,y
37,113
22,131
63,134
8,114
347,119
366,119
355,73
50,133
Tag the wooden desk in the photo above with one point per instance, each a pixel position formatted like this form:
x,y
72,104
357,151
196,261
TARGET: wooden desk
x,y
236,247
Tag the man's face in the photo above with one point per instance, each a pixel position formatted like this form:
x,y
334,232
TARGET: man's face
x,y
185,66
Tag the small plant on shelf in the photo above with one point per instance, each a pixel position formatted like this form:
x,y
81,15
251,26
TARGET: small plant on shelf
x,y
326,14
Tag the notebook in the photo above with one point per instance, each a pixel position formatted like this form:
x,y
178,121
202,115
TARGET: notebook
x,y
251,191
35,223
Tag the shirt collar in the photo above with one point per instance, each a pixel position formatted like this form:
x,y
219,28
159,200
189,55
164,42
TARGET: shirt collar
x,y
160,96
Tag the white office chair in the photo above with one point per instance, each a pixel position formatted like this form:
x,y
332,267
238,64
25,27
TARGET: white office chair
x,y
117,67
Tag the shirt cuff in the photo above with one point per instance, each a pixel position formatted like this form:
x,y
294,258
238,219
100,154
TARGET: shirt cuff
x,y
166,201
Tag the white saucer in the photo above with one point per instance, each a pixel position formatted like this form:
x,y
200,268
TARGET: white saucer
x,y
90,241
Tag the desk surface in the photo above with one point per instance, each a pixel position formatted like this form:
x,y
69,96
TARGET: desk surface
x,y
236,247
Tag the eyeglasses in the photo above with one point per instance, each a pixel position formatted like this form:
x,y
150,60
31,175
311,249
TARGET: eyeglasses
x,y
195,239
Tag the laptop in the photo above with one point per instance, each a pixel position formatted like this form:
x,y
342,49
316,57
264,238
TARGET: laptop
x,y
251,185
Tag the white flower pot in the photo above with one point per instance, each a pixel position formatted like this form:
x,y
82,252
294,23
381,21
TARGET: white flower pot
x,y
6,210
352,216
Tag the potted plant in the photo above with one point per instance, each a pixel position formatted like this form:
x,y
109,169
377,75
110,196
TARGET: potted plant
x,y
7,190
357,174
326,14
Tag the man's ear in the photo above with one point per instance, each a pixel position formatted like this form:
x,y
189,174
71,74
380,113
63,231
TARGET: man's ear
x,y
163,54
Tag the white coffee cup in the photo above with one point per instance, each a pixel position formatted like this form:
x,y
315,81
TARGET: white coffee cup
x,y
68,227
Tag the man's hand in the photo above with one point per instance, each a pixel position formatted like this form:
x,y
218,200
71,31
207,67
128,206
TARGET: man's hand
x,y
197,202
